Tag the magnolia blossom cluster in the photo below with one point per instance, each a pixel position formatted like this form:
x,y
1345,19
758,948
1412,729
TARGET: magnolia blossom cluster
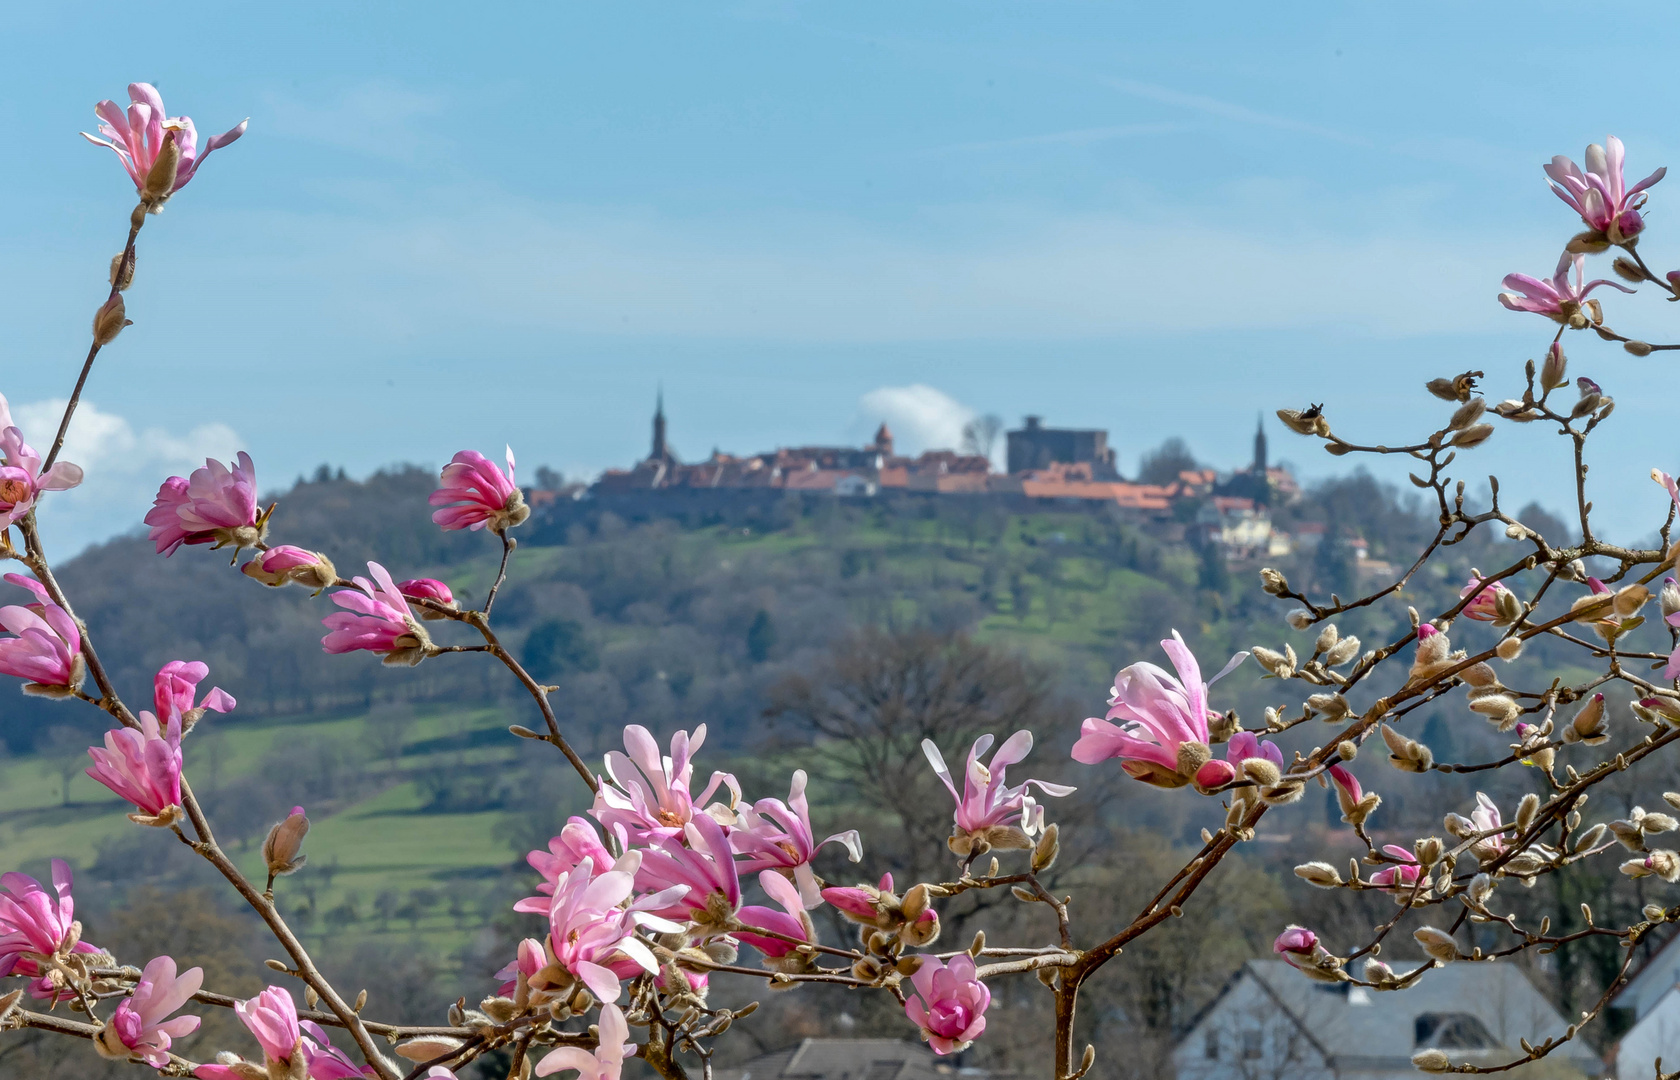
x,y
40,938
290,1046
21,477
218,505
1610,209
654,885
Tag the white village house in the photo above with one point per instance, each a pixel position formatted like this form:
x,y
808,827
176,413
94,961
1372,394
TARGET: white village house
x,y
1271,1023
1652,999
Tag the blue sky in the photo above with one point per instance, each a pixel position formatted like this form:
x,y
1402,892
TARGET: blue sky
x,y
448,229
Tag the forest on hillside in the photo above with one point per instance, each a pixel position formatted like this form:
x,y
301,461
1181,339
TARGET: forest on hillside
x,y
829,635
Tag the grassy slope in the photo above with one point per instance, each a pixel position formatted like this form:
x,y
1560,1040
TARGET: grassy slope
x,y
386,842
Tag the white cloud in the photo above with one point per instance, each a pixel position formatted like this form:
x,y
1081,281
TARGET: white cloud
x,y
123,468
921,417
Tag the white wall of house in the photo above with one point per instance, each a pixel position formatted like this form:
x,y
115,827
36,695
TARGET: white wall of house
x,y
1655,1035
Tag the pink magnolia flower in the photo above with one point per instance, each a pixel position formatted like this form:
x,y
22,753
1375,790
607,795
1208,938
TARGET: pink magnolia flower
x,y
475,494
272,1017
790,921
1295,941
1599,195
1557,299
1404,875
706,865
777,835
327,1062
649,795
1670,671
1485,817
138,136
139,1028
383,625
176,685
426,589
1163,737
217,505
577,841
47,648
529,959
949,1004
143,767
591,935
1485,606
21,479
1668,483
991,814
287,564
606,1063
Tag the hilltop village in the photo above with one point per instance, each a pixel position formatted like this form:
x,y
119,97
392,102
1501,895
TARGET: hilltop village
x,y
1045,467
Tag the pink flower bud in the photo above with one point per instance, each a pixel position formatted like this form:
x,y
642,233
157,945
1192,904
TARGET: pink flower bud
x,y
286,564
1295,941
475,494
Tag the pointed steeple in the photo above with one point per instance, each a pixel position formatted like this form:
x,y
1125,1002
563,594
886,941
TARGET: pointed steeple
x,y
660,451
1260,445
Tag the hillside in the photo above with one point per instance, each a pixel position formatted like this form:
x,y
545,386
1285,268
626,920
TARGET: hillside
x,y
423,804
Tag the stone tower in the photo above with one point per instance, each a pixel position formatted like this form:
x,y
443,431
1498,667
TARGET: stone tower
x,y
660,452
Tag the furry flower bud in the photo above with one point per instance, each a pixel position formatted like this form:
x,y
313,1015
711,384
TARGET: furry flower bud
x,y
1472,436
1299,619
1437,943
1273,581
1499,710
1663,864
1321,874
1467,414
1434,652
1346,649
1428,850
1407,754
160,178
1553,371
1332,707
1275,663
109,320
281,850
1309,422
1669,598
1327,638
1588,726
1630,598
1509,649
1431,1061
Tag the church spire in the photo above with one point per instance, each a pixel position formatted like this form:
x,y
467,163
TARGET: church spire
x,y
660,451
1260,445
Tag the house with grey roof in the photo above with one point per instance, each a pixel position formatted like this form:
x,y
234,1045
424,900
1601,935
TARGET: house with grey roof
x,y
1651,1000
849,1059
1272,1022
